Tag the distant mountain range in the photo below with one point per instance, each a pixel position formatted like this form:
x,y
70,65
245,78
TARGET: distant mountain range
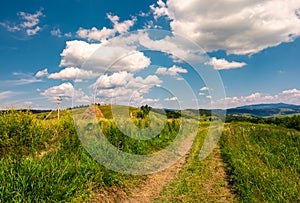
x,y
262,110
259,110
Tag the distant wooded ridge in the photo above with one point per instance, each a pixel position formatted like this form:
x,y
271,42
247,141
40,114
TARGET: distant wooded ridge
x,y
259,110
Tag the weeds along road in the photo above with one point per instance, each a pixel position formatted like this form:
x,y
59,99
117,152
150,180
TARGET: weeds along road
x,y
188,180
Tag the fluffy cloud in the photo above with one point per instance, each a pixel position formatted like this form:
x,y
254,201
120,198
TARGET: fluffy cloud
x,y
255,98
151,25
173,71
144,83
124,87
114,80
77,52
291,96
73,74
121,54
42,73
99,58
160,10
125,79
68,34
56,32
29,24
292,92
222,64
65,90
175,46
30,20
171,99
238,27
149,101
94,34
10,28
34,31
204,89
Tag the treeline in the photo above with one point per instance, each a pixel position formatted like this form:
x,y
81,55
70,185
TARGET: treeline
x,y
145,109
287,121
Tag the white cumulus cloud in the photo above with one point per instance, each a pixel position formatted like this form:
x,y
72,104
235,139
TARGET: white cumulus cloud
x,y
100,58
222,64
173,71
77,52
238,27
204,89
160,10
30,20
125,87
56,32
33,31
114,80
171,99
291,96
72,73
292,92
65,90
105,33
42,73
29,23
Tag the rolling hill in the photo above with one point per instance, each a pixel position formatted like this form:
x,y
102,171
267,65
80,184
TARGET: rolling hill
x,y
262,110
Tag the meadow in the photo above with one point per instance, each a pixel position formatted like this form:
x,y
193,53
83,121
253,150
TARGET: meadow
x,y
44,161
263,162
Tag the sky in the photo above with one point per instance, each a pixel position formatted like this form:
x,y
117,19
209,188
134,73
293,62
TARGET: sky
x,y
166,53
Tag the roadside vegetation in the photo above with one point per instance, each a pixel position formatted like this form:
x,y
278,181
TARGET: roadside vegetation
x,y
43,160
199,181
263,162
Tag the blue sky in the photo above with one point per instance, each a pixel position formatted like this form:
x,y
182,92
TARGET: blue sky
x,y
64,48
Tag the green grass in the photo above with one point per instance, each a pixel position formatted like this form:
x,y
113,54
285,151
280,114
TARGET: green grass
x,y
263,162
197,181
107,110
44,161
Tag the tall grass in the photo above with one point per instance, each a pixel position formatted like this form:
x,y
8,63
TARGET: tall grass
x,y
44,161
135,146
263,162
197,181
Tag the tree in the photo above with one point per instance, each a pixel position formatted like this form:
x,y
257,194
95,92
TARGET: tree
x,y
144,111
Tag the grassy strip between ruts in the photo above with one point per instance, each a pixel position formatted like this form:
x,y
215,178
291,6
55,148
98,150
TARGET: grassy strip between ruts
x,y
199,181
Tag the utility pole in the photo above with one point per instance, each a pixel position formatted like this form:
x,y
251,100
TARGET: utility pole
x,y
59,99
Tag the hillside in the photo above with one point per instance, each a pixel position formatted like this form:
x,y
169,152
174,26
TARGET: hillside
x,y
262,110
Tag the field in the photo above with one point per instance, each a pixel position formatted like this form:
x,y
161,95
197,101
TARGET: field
x,y
44,161
263,162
